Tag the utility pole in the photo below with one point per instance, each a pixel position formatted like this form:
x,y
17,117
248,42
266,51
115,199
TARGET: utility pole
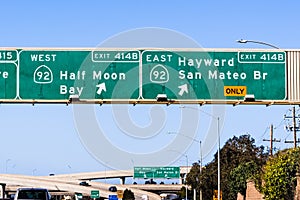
x,y
271,140
294,127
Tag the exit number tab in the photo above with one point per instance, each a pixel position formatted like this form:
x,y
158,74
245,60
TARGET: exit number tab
x,y
261,57
8,56
115,56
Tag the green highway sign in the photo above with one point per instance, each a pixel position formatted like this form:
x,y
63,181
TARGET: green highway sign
x,y
91,75
95,194
214,75
8,80
156,172
8,74
145,75
79,195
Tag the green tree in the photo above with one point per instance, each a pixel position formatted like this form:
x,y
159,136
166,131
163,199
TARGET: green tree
x,y
279,175
236,151
128,195
205,181
193,176
238,177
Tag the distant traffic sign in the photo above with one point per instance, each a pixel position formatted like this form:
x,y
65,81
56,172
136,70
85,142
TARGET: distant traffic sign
x,y
120,194
156,172
112,197
79,195
95,194
209,75
99,74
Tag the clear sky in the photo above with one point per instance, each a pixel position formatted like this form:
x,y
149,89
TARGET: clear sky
x,y
43,139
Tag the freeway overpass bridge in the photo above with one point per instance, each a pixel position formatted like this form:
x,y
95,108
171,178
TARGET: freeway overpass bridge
x,y
67,185
122,174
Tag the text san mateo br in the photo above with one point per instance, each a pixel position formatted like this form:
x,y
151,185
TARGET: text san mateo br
x,y
214,68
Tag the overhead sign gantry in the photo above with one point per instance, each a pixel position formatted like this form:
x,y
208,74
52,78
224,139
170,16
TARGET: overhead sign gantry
x,y
142,75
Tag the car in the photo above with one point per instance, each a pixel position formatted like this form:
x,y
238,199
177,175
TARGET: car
x,y
112,188
151,181
84,183
32,193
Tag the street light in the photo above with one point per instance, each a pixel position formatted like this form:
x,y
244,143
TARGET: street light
x,y
200,155
6,164
33,171
218,136
187,168
257,42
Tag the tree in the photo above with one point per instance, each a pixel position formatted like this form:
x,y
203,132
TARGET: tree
x,y
128,195
279,175
193,176
236,151
238,177
205,181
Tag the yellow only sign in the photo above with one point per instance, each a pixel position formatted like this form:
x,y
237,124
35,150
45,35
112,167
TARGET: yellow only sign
x,y
235,91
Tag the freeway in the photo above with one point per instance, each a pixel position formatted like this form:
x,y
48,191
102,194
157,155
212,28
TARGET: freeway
x,y
68,185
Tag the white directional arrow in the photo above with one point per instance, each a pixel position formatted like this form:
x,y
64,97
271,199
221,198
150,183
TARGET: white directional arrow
x,y
101,87
183,88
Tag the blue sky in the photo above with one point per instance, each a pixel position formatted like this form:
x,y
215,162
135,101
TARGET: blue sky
x,y
43,139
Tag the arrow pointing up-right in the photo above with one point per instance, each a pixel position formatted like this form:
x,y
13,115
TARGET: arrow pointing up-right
x,y
101,87
183,88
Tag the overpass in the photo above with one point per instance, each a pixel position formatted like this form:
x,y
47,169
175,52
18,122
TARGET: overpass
x,y
122,174
68,185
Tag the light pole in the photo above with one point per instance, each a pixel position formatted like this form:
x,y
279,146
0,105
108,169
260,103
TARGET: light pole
x,y
200,189
257,42
186,173
200,155
218,141
6,164
219,166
